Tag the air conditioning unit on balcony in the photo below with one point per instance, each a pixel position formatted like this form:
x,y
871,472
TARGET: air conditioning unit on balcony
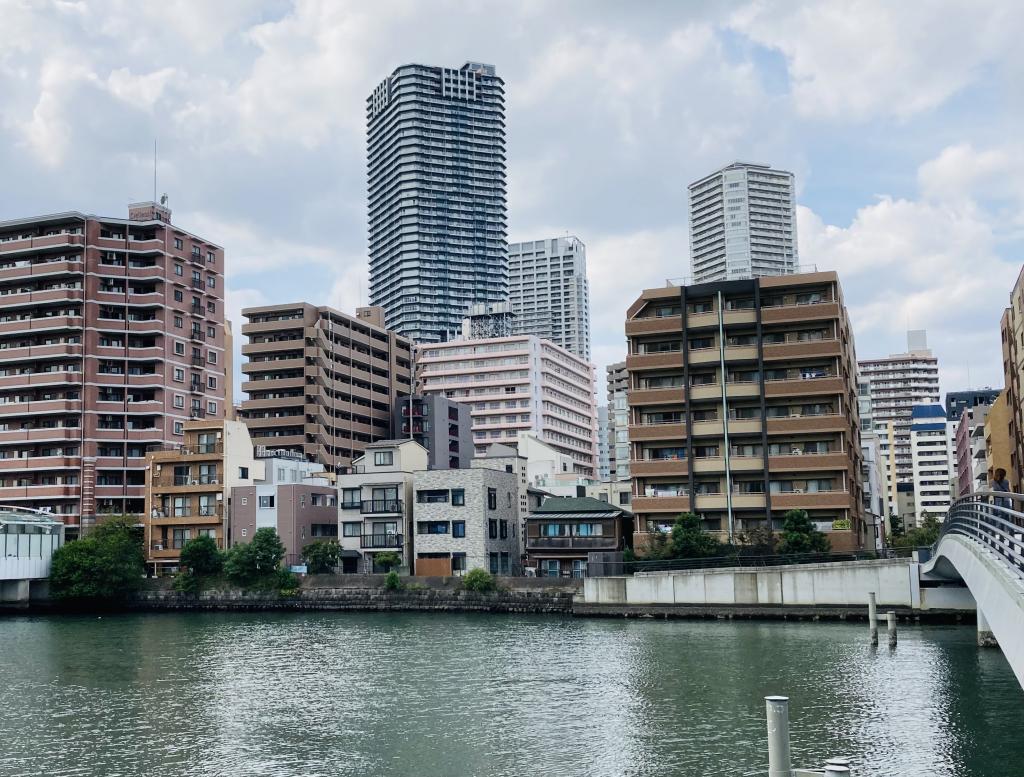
x,y
158,547
193,482
214,481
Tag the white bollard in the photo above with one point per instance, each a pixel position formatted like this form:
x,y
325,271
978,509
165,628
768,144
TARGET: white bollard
x,y
890,618
873,618
780,761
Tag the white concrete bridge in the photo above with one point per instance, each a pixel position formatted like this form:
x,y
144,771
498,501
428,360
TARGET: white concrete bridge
x,y
982,544
28,539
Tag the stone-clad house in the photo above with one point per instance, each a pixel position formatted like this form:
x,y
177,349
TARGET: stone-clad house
x,y
464,519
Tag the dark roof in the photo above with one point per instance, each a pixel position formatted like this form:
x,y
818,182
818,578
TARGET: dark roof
x,y
578,504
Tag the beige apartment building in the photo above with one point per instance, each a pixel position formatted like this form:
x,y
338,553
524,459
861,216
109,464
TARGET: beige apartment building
x,y
188,488
111,338
1012,331
320,382
743,405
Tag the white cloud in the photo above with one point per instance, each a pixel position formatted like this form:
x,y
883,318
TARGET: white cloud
x,y
874,57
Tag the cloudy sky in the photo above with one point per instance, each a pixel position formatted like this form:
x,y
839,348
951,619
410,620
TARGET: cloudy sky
x,y
902,122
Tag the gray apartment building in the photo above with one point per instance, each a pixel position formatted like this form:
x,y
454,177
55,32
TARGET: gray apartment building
x,y
466,519
443,427
549,292
743,223
437,200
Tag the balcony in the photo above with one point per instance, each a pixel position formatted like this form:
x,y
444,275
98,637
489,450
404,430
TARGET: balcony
x,y
571,543
380,506
655,325
197,388
661,503
380,541
656,467
657,431
656,396
198,335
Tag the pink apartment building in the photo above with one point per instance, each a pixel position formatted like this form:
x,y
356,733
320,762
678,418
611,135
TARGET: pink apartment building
x,y
111,337
517,384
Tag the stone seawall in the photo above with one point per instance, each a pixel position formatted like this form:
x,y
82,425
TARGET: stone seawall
x,y
367,593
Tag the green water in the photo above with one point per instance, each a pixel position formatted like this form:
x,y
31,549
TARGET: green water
x,y
432,694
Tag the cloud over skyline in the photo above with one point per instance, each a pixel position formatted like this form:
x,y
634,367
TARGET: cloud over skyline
x,y
899,120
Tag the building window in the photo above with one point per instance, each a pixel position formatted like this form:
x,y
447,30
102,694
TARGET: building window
x,y
211,382
243,473
458,528
492,528
266,501
211,256
458,563
505,563
493,562
492,499
211,332
351,529
211,281
179,270
458,497
179,348
508,468
178,244
383,458
211,407
437,495
432,527
244,531
211,357
179,428
503,525
178,296
211,307
179,375
350,499
178,322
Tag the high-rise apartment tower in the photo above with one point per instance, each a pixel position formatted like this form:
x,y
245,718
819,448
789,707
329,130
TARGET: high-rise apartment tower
x,y
549,291
437,205
112,335
742,223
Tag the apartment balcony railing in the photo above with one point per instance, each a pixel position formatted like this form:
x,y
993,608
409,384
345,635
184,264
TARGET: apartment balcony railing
x,y
380,541
371,506
570,543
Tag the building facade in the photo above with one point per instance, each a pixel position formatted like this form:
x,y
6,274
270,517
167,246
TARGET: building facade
x,y
549,292
111,338
932,462
294,497
969,449
563,531
618,421
743,224
376,503
188,488
517,384
437,202
440,425
466,519
1012,331
999,442
320,382
743,405
897,383
604,468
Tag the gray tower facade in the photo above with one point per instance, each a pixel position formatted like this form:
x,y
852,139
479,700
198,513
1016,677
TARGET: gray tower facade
x,y
742,224
437,200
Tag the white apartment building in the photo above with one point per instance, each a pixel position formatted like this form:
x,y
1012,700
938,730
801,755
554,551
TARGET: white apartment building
x,y
549,292
931,460
375,509
897,383
517,384
742,223
618,422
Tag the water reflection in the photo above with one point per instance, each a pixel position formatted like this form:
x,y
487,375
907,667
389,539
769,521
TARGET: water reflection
x,y
387,694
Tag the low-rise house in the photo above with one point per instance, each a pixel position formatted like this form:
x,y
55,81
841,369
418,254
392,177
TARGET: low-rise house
x,y
188,488
466,519
564,530
295,498
375,512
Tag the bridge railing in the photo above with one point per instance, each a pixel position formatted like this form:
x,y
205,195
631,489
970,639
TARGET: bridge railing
x,y
994,519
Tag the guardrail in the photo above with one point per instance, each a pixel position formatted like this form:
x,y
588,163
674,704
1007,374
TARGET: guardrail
x,y
989,518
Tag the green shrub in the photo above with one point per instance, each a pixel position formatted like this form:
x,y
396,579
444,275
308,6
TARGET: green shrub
x,y
252,564
202,557
107,564
479,580
388,560
800,536
392,582
187,583
321,557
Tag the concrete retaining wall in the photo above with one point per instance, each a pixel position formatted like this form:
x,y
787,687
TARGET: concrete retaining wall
x,y
845,584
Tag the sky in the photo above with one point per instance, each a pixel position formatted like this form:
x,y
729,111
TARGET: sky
x,y
901,121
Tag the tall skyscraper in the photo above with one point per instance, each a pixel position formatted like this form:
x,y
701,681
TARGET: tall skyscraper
x,y
549,291
112,335
437,210
742,223
898,382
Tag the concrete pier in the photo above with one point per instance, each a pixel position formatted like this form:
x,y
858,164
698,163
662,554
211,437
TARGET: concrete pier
x,y
985,636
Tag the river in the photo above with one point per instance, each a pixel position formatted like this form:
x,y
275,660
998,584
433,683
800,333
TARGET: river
x,y
460,695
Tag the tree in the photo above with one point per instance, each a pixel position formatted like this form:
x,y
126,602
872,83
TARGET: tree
x,y
388,560
920,536
479,580
321,557
689,540
800,536
759,541
250,563
202,557
108,564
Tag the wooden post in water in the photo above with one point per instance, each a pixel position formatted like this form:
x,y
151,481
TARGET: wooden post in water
x,y
890,619
873,618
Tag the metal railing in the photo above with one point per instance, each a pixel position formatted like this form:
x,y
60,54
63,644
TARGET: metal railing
x,y
373,541
370,506
989,518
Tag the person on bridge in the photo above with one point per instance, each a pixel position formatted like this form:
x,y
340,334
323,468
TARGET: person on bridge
x,y
1000,483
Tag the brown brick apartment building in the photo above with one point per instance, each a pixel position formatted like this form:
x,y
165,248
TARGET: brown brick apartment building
x,y
743,405
320,382
111,337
